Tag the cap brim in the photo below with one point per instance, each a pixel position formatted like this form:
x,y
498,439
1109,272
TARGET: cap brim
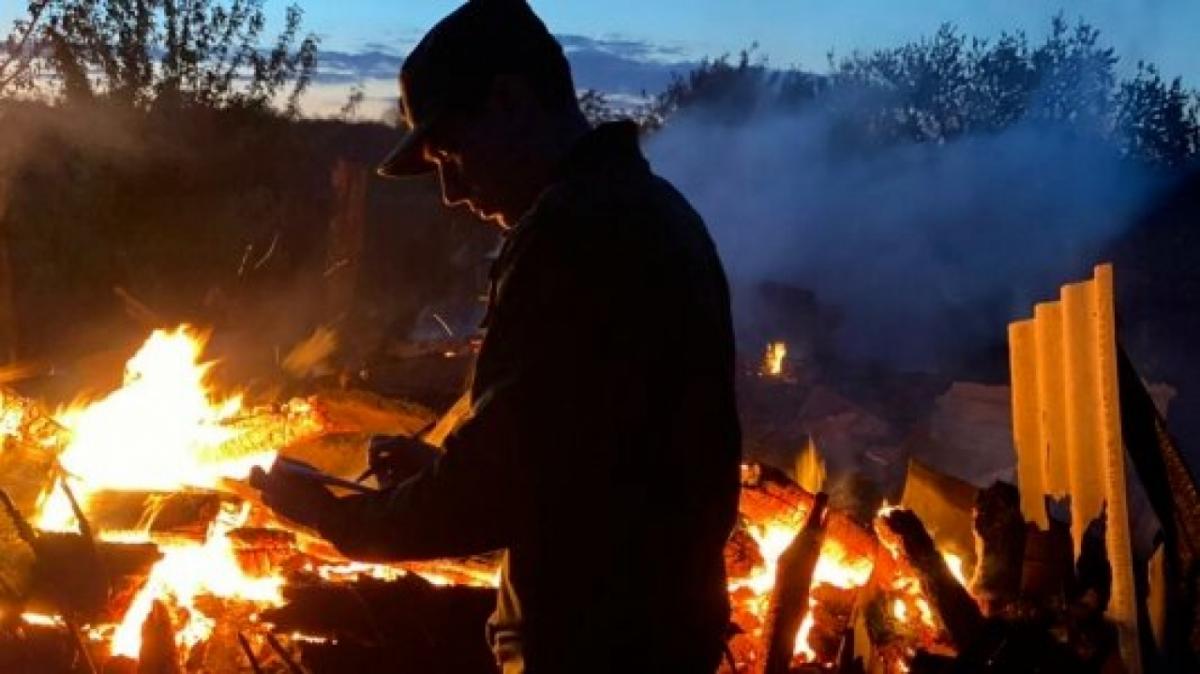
x,y
408,158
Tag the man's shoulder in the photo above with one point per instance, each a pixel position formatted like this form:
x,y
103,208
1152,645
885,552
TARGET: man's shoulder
x,y
611,204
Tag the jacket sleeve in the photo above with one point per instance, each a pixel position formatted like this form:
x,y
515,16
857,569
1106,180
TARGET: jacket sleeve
x,y
468,502
482,493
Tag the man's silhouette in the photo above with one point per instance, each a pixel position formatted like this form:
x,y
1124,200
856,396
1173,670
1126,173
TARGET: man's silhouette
x,y
603,445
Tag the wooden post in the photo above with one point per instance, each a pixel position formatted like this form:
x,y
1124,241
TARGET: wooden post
x,y
8,310
346,235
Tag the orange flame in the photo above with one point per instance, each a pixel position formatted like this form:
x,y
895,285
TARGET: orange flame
x,y
836,566
164,430
773,359
159,431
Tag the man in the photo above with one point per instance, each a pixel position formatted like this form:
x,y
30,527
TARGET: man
x,y
602,449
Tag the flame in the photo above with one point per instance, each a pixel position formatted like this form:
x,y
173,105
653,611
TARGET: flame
x,y
955,564
187,571
836,566
159,431
773,360
905,587
164,429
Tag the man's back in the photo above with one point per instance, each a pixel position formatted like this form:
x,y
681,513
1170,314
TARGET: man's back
x,y
610,319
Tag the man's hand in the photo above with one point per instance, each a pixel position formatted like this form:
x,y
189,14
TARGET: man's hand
x,y
296,498
394,458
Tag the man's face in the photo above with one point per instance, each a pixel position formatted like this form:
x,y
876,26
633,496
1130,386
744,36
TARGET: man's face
x,y
479,166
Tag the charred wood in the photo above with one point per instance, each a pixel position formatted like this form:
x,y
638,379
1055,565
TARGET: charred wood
x,y
1092,586
1000,546
793,578
44,650
370,625
1047,572
1174,493
68,579
957,609
158,654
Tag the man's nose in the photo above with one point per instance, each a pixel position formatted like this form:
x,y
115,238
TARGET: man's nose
x,y
454,190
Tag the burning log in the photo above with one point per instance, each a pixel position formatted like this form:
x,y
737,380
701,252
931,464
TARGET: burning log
x,y
73,574
957,610
180,515
768,494
832,609
365,412
789,602
261,550
742,555
69,579
268,428
770,497
367,626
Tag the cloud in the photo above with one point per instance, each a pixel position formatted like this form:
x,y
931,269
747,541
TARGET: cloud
x,y
612,65
637,50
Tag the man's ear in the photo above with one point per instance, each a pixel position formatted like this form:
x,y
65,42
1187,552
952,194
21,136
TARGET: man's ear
x,y
511,94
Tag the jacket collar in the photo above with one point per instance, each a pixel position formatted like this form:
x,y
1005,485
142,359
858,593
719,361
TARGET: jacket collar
x,y
611,145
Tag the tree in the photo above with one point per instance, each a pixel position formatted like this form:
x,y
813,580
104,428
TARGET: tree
x,y
18,57
171,53
1157,121
940,88
733,91
1073,78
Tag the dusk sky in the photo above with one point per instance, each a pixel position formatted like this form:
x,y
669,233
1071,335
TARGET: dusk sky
x,y
792,31
787,32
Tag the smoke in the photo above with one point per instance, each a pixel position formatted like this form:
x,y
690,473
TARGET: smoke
x,y
926,249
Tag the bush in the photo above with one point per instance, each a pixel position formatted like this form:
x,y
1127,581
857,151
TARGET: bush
x,y
155,54
939,88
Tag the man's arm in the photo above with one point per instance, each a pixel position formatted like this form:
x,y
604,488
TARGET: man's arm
x,y
481,494
473,499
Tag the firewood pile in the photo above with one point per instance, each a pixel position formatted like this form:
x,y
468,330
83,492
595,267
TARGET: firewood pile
x,y
882,597
129,543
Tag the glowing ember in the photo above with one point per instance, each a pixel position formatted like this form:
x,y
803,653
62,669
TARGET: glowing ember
x,y
41,619
905,587
773,360
836,567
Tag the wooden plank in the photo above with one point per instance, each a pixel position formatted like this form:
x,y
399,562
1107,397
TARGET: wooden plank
x,y
1051,398
1123,606
1085,467
1026,408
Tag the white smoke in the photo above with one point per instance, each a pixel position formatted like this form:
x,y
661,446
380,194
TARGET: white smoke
x,y
927,249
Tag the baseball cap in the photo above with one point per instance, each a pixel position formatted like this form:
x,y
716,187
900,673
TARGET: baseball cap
x,y
452,68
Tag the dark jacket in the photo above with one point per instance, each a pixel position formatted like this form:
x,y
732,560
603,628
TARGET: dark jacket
x,y
603,446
